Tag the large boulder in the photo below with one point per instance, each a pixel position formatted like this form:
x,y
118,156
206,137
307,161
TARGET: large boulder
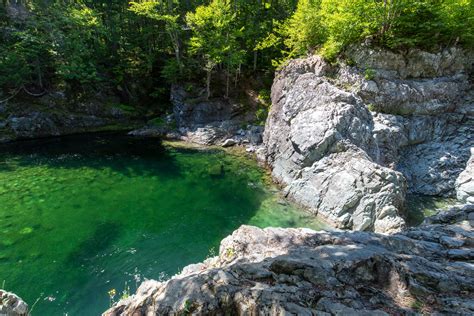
x,y
351,191
317,141
277,271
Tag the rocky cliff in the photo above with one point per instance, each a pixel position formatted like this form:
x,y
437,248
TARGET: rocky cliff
x,y
276,271
348,141
55,115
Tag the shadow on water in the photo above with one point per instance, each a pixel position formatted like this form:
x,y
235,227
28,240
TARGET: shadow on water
x,y
103,237
92,151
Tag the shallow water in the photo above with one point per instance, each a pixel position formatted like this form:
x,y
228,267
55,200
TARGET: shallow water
x,y
82,215
420,206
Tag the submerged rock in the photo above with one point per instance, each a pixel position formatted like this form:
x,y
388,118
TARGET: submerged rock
x,y
12,305
277,271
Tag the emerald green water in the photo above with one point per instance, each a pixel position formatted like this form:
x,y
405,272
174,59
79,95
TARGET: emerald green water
x,y
82,215
421,206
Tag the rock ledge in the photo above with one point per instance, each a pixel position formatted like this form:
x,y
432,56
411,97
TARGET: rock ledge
x,y
277,271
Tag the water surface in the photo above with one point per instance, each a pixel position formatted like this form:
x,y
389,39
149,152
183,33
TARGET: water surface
x,y
82,215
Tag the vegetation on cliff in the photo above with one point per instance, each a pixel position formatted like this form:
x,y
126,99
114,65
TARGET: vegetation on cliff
x,y
329,26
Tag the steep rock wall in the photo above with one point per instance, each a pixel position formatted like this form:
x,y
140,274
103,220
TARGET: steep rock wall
x,y
349,164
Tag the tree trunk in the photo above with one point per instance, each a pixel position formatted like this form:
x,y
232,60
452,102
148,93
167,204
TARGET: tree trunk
x,y
208,84
255,60
40,76
227,83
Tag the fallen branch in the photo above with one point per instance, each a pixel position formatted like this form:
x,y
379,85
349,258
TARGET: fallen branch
x,y
36,95
12,96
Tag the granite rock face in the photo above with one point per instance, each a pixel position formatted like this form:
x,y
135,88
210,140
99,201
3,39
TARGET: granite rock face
x,y
424,127
333,130
318,138
12,305
276,271
214,121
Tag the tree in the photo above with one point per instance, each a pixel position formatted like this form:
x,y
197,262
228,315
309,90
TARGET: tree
x,y
214,39
161,12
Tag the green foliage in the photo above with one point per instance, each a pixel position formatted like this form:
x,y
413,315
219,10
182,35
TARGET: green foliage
x,y
215,37
261,115
373,108
264,97
158,122
125,107
303,31
369,74
329,26
139,48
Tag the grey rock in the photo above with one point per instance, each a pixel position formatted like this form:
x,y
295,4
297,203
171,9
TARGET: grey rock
x,y
207,122
319,127
465,182
416,63
277,271
317,139
229,142
12,305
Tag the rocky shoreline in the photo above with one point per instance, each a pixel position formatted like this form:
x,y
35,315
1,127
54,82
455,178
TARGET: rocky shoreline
x,y
274,271
53,115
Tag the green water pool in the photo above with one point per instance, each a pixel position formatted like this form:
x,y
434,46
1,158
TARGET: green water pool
x,y
82,215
